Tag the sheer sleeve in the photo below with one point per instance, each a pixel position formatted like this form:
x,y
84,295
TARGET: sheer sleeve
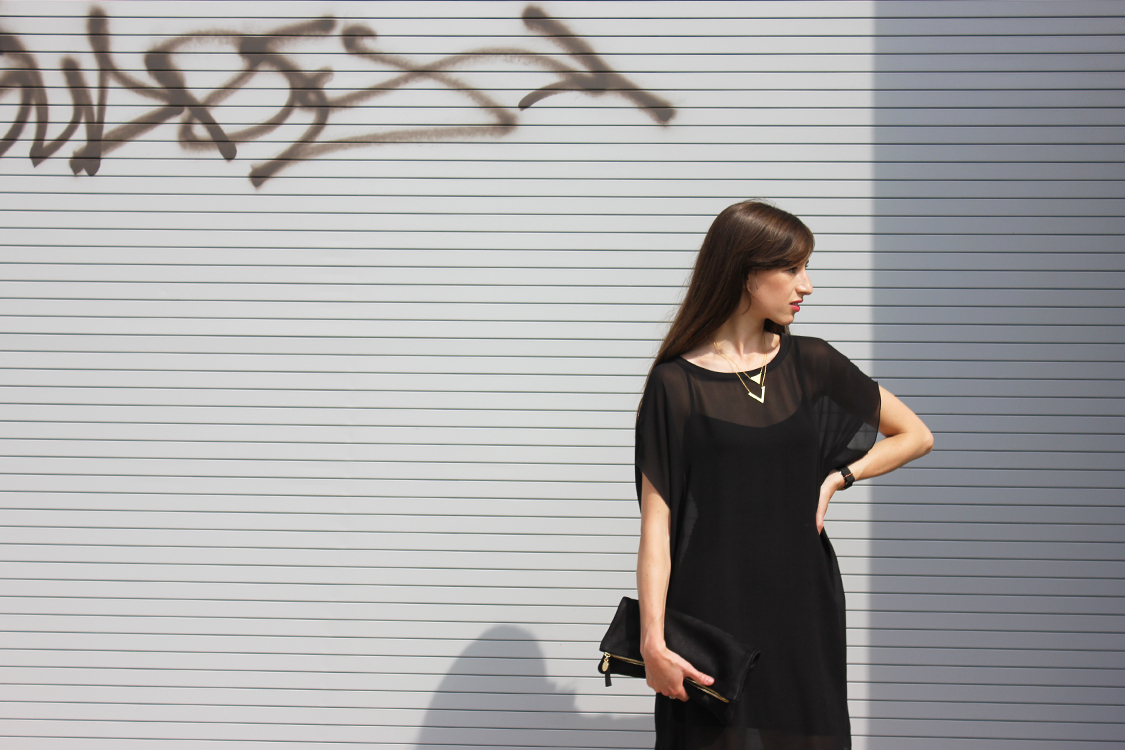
x,y
846,403
659,436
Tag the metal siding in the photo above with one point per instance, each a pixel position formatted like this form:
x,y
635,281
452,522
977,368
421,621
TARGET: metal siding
x,y
346,458
994,579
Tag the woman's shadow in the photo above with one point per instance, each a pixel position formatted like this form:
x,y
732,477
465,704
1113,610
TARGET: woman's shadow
x,y
498,695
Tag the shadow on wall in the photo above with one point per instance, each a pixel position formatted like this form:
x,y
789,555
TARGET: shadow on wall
x,y
498,695
998,286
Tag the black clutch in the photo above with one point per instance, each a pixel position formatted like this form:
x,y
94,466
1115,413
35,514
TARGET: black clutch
x,y
712,651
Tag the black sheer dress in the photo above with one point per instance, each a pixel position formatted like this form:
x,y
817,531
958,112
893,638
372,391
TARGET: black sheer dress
x,y
742,480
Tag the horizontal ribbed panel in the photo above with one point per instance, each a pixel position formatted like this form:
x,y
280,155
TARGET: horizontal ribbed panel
x,y
344,456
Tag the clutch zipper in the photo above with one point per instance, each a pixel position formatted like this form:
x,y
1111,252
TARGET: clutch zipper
x,y
605,670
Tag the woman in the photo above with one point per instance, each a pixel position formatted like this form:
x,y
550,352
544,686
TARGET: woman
x,y
744,434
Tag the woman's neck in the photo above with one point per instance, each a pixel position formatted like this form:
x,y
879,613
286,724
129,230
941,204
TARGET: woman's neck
x,y
745,337
740,344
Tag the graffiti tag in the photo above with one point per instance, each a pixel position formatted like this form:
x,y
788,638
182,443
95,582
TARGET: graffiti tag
x,y
199,112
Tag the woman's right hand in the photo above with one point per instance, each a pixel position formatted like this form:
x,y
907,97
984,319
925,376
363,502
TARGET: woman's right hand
x,y
665,671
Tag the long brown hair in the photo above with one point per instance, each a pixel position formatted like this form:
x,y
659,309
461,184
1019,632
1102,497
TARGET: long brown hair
x,y
746,237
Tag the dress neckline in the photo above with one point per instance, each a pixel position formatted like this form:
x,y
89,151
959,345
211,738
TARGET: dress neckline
x,y
782,350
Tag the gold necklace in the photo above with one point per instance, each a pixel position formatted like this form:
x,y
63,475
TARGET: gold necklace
x,y
760,378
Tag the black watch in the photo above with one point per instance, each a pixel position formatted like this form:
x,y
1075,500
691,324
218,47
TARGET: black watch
x,y
849,479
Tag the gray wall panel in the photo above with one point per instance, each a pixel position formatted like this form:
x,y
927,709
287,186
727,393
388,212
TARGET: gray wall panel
x,y
346,458
1008,497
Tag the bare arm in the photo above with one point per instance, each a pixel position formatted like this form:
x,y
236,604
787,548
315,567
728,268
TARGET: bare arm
x,y
907,438
664,670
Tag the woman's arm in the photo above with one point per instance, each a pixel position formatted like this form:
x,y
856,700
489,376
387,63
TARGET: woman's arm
x,y
906,438
664,670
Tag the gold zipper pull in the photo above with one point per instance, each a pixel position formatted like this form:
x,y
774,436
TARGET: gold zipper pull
x,y
605,669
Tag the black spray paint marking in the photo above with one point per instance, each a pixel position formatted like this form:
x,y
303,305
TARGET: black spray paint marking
x,y
199,129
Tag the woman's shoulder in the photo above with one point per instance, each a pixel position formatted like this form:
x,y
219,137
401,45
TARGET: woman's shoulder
x,y
666,388
669,372
817,355
811,342
812,346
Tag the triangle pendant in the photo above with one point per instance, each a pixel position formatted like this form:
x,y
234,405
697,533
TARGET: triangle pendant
x,y
760,399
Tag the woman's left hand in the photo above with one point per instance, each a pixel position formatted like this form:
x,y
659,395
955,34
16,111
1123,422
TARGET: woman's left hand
x,y
828,487
905,439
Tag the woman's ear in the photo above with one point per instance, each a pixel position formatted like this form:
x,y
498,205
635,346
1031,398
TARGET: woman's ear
x,y
747,297
751,283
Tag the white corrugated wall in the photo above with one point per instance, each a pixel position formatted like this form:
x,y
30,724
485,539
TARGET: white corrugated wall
x,y
308,447
996,569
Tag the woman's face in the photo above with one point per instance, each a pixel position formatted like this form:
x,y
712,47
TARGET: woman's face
x,y
777,294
